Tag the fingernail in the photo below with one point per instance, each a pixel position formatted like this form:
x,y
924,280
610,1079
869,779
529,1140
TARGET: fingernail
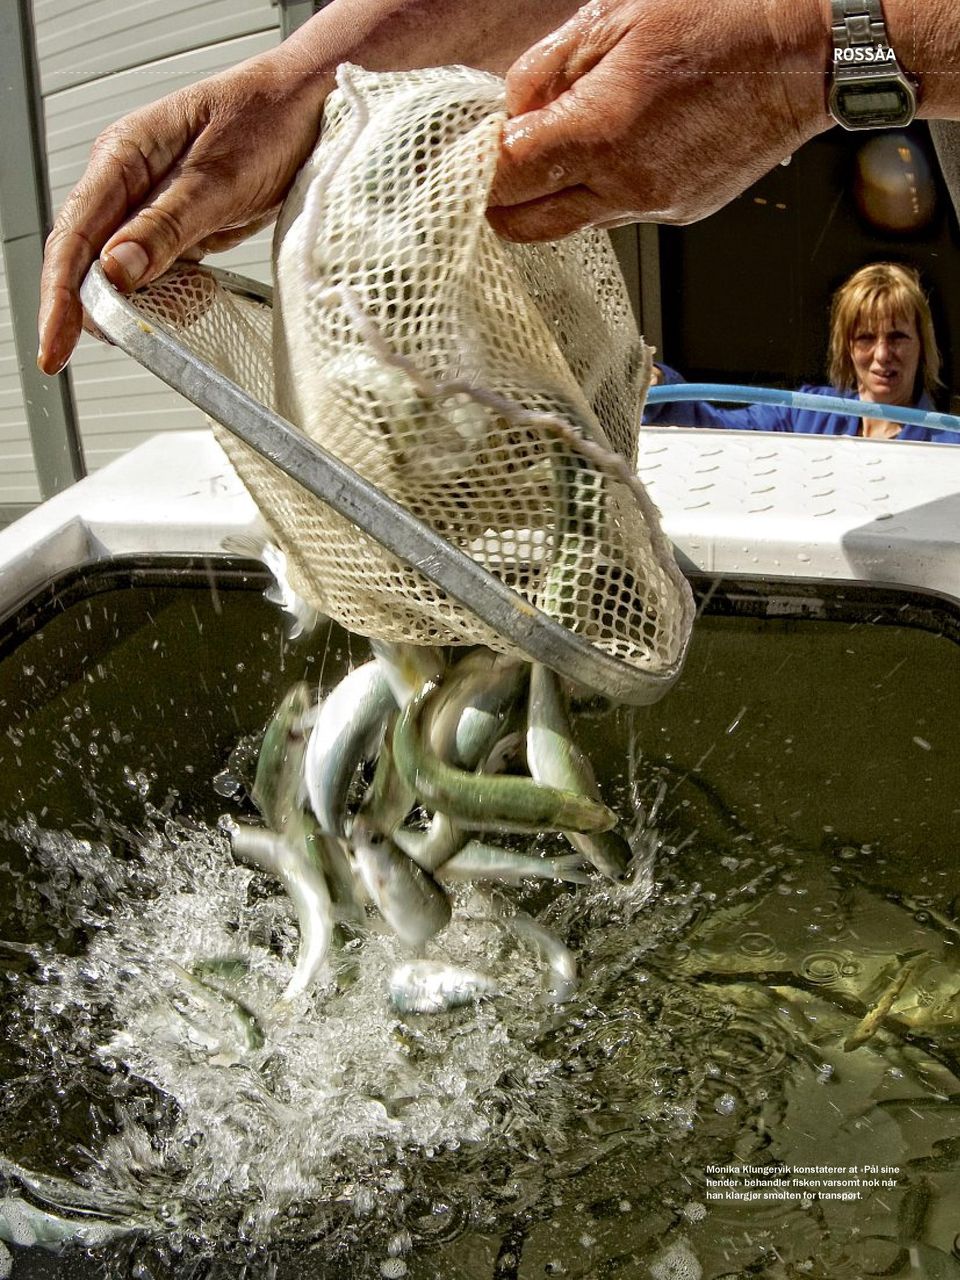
x,y
132,260
60,363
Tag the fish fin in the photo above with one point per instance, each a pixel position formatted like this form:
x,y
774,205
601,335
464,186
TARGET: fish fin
x,y
243,544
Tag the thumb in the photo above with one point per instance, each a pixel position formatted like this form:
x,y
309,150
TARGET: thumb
x,y
539,155
181,213
553,64
541,74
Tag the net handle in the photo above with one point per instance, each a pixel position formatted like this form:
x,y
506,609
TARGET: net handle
x,y
280,443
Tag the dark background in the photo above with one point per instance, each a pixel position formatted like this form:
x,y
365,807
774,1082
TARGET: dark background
x,y
746,292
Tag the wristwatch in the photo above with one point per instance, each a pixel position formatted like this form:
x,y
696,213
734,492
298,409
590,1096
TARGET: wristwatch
x,y
868,87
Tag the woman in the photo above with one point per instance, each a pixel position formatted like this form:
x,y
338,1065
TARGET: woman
x,y
882,350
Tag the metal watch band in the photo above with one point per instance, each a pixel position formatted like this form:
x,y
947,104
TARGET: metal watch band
x,y
858,23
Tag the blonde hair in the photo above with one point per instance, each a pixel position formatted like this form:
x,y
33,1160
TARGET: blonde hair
x,y
882,291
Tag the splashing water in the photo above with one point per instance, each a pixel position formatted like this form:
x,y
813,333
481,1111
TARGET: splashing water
x,y
162,1085
316,1120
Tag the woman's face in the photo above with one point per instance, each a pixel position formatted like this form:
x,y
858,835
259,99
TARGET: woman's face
x,y
886,356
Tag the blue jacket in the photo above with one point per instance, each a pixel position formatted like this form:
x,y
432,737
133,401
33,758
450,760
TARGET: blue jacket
x,y
772,417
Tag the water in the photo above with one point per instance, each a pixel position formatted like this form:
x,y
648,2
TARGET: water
x,y
805,864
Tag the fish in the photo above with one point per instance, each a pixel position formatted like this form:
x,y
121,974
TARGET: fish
x,y
22,1223
479,861
554,759
431,986
432,846
241,1020
348,729
303,878
407,667
560,960
388,799
487,800
278,780
468,715
407,897
869,1025
569,590
387,802
231,967
293,858
256,845
346,892
914,1210
465,723
258,545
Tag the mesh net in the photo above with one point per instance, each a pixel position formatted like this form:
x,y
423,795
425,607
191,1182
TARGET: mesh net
x,y
493,390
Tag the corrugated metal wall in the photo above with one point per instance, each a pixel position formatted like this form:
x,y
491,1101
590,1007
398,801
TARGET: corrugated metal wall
x,y
98,60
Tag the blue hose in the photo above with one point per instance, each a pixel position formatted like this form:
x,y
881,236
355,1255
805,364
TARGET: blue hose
x,y
928,418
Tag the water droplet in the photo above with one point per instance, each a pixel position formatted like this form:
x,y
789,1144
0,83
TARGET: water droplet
x,y
402,1242
225,784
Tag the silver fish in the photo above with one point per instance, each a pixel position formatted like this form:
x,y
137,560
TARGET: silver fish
x,y
346,892
388,799
277,784
294,860
466,719
348,729
407,897
429,986
304,880
242,1021
554,759
560,960
431,847
302,617
471,707
22,1223
479,861
407,667
256,845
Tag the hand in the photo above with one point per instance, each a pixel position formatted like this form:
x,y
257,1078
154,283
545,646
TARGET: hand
x,y
204,167
197,171
655,110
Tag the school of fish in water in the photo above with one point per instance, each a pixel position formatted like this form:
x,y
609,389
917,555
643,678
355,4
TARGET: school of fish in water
x,y
439,738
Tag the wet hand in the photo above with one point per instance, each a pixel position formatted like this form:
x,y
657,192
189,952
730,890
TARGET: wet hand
x,y
197,171
650,110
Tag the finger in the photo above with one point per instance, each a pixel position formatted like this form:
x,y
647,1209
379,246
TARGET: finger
x,y
185,209
58,326
540,75
541,153
552,217
553,64
119,175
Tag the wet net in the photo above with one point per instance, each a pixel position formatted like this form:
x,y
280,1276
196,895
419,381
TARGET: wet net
x,y
493,390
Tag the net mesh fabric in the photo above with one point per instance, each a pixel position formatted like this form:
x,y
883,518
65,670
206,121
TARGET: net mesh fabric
x,y
493,390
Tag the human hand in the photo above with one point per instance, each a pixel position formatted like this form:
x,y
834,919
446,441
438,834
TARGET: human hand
x,y
655,110
195,172
206,166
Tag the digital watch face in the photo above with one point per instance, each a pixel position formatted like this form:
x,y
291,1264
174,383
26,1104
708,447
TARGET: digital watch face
x,y
882,104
